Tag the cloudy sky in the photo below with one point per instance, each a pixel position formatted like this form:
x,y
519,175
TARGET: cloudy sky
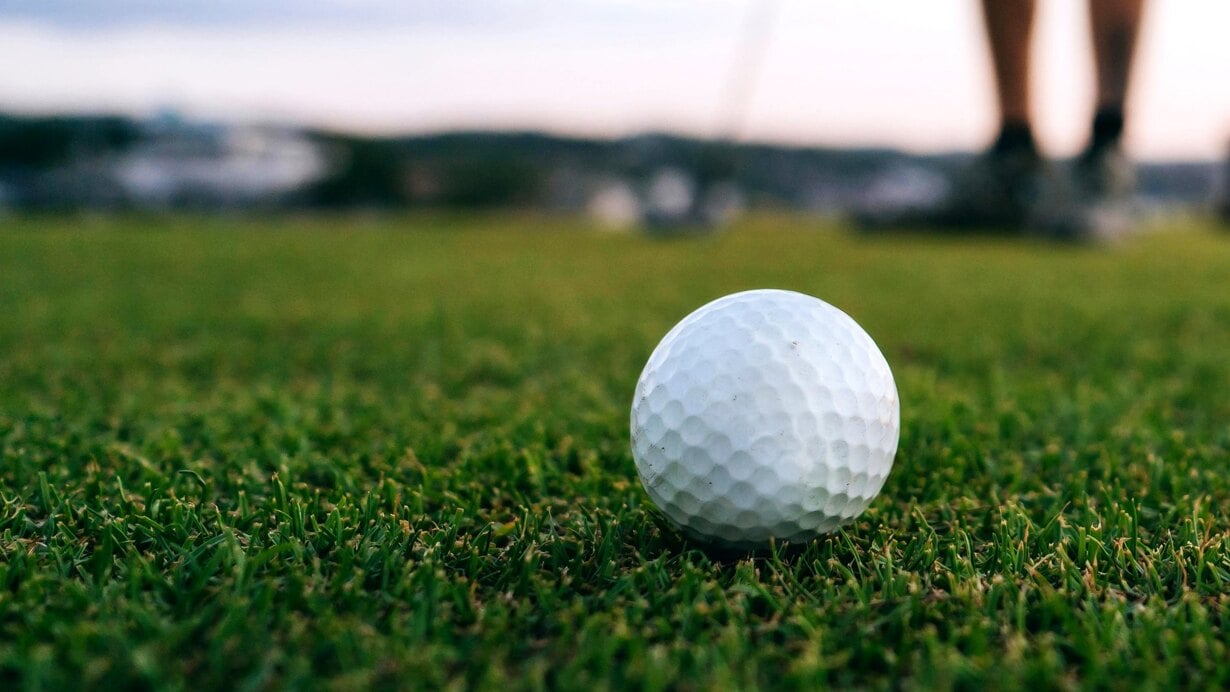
x,y
835,72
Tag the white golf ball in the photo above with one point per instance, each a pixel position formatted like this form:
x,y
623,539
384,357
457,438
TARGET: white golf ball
x,y
764,414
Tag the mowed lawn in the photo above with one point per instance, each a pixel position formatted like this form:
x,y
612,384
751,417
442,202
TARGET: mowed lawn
x,y
393,451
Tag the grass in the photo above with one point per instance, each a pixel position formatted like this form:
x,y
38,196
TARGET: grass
x,y
349,452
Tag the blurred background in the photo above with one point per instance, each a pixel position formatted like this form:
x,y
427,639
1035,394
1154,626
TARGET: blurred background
x,y
631,111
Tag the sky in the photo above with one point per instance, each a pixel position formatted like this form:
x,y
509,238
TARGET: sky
x,y
894,73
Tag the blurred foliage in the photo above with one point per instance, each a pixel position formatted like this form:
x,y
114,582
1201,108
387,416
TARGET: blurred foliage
x,y
47,141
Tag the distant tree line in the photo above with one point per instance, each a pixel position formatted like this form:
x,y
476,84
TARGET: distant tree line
x,y
43,160
42,142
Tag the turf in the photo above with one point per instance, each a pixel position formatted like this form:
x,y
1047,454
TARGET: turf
x,y
352,452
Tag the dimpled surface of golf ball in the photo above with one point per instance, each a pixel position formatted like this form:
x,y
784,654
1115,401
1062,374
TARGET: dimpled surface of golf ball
x,y
764,415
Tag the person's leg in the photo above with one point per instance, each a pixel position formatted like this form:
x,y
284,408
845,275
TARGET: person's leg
x,y
1114,25
1001,189
1009,27
1103,177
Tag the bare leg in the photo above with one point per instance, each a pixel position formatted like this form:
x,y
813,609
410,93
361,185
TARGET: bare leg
x,y
1103,177
1000,189
1009,25
1115,24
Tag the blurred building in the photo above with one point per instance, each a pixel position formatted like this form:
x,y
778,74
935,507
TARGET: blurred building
x,y
178,164
164,162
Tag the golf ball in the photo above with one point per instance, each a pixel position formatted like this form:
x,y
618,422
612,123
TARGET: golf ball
x,y
764,415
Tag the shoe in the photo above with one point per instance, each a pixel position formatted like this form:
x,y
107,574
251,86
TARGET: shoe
x,y
998,192
1099,206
